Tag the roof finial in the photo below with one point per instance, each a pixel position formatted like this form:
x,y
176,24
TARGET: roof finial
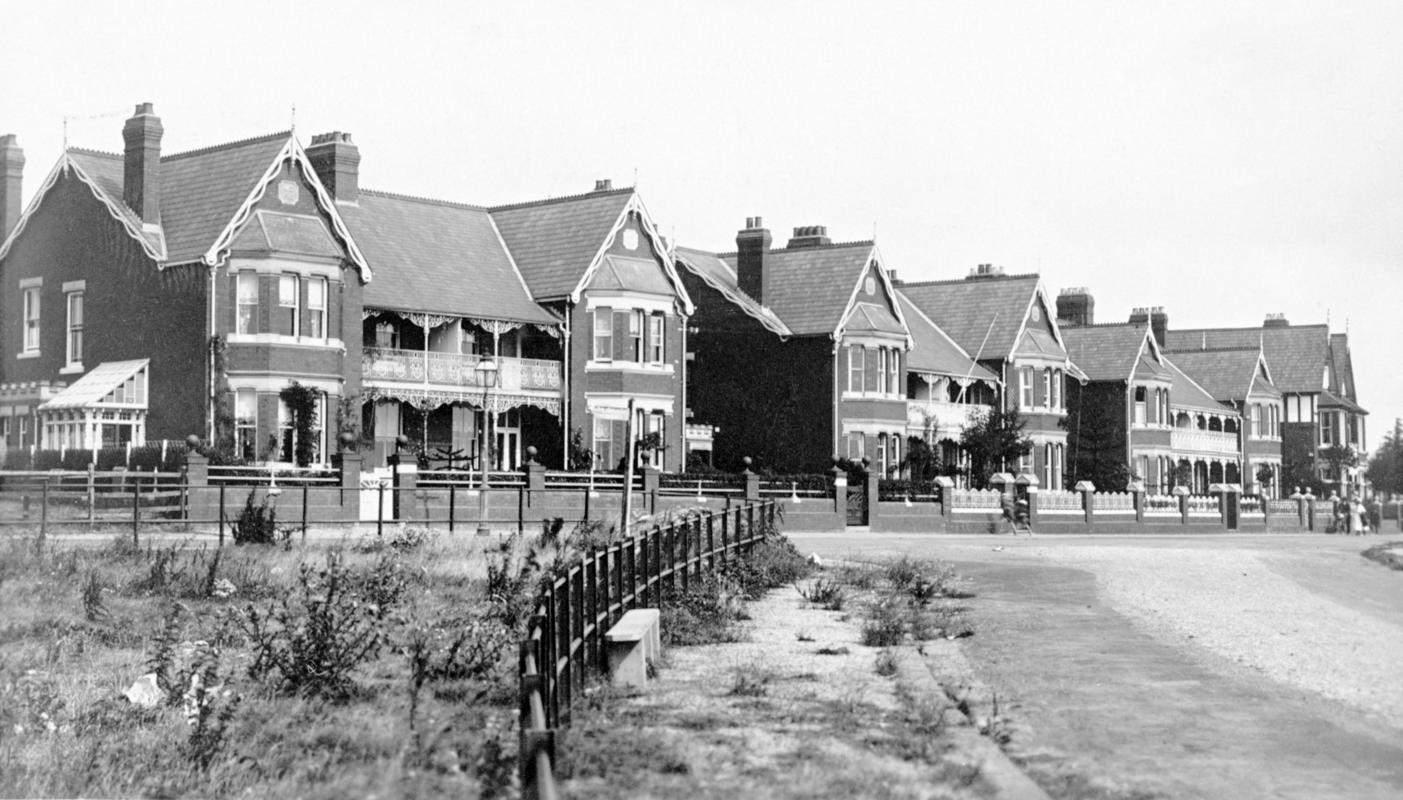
x,y
294,118
65,134
635,176
874,231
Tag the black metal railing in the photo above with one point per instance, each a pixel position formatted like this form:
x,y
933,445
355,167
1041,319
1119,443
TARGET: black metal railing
x,y
564,643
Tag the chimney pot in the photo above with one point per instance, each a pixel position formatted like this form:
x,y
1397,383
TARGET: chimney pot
x,y
604,185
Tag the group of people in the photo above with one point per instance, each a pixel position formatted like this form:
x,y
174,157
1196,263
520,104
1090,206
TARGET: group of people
x,y
1350,517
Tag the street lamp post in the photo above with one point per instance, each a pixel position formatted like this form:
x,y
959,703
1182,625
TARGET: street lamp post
x,y
487,376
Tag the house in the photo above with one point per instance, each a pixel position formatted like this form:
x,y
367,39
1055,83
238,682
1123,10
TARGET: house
x,y
153,296
799,351
1239,379
1119,422
1006,323
596,262
946,390
450,330
1313,371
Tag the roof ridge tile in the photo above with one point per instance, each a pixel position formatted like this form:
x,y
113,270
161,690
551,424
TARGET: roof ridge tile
x,y
426,200
561,199
227,145
979,279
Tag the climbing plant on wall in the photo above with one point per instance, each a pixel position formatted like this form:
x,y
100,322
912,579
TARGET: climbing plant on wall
x,y
302,404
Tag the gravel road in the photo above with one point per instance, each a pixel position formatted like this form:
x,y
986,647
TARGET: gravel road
x,y
1190,666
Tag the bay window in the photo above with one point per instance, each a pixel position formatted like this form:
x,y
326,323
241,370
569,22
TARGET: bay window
x,y
856,357
603,334
635,336
289,303
656,343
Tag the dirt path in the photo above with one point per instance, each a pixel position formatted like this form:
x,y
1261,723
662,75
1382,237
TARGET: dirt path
x,y
1192,667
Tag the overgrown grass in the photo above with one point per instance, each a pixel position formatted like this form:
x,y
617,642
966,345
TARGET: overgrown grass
x,y
371,670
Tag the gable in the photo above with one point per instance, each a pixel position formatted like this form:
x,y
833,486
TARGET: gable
x,y
618,273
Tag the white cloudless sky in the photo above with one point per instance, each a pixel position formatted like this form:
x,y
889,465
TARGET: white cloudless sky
x,y
1222,160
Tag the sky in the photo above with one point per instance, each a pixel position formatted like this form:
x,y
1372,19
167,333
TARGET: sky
x,y
1222,160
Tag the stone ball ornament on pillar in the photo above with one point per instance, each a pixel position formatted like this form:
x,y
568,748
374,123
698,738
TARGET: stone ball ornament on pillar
x,y
531,454
347,441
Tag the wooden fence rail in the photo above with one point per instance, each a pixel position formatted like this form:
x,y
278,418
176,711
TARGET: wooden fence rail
x,y
564,643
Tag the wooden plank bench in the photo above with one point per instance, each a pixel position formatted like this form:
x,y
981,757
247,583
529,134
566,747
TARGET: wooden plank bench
x,y
631,644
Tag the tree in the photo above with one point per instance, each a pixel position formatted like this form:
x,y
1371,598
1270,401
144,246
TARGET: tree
x,y
921,463
1385,470
993,441
301,404
1339,457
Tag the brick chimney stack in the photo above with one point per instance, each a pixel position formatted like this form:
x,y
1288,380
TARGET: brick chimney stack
x,y
11,183
1156,318
809,236
141,177
1076,307
336,160
752,245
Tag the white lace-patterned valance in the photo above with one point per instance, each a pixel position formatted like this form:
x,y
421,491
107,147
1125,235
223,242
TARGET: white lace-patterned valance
x,y
495,327
429,399
426,320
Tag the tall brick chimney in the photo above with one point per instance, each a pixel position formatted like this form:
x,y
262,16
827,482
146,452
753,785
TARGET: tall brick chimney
x,y
1075,307
11,183
141,177
752,245
337,162
1156,318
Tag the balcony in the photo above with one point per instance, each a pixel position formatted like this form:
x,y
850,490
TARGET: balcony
x,y
451,369
1193,440
944,418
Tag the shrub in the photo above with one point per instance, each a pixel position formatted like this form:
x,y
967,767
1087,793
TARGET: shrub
x,y
886,663
707,613
885,625
825,592
771,563
47,459
257,524
315,638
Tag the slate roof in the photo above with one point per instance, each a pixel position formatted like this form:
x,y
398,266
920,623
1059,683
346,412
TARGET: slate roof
x,y
1296,354
1332,400
1343,369
200,189
276,232
967,308
105,169
811,286
868,317
1112,352
637,274
555,241
437,257
935,352
1226,374
721,276
1185,393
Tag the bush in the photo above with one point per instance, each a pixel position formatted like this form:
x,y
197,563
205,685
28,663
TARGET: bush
x,y
707,613
47,459
257,524
771,563
333,622
825,592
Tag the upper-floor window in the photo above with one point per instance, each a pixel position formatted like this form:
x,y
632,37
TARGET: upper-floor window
x,y
386,335
635,335
467,343
316,308
1047,388
603,334
856,357
75,328
657,351
31,319
1057,390
289,303
894,377
1256,421
1140,405
882,366
1327,427
247,302
1025,387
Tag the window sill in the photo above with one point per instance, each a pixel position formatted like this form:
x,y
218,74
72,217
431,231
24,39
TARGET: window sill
x,y
28,354
72,369
282,339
